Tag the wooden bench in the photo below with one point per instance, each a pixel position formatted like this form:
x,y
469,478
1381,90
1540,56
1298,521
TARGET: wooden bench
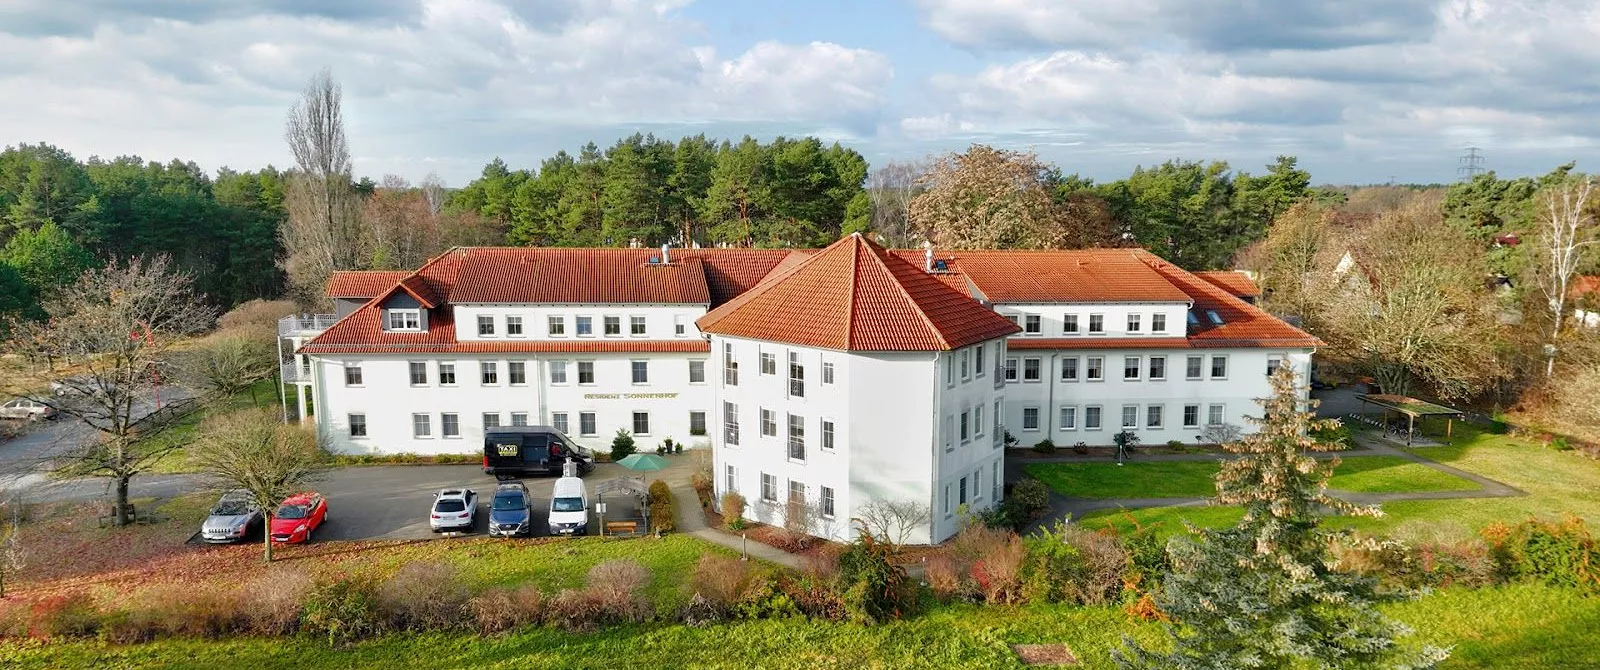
x,y
622,527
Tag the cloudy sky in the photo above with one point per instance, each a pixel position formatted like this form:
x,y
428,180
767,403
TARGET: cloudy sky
x,y
1360,90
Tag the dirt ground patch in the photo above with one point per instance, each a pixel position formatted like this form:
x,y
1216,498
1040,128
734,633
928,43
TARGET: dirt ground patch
x,y
1044,654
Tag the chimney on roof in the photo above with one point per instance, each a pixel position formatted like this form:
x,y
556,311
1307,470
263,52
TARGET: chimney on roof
x,y
664,258
927,256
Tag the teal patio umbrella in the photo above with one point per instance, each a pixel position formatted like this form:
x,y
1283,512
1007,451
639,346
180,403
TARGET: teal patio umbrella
x,y
643,462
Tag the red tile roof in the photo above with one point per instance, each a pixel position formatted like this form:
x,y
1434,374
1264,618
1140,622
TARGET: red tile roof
x,y
856,296
1585,284
1243,324
363,284
589,276
1233,281
1079,275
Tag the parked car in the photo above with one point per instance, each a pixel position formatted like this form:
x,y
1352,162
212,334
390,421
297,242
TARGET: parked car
x,y
519,451
569,507
231,519
453,509
79,385
510,515
298,516
23,409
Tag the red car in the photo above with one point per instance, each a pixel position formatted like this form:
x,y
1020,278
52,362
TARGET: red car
x,y
298,516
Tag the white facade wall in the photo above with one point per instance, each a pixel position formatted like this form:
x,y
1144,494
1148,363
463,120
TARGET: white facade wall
x,y
969,463
1113,316
661,321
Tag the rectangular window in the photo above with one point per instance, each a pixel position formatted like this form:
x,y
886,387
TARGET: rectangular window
x,y
491,420
1273,363
1191,416
517,372
404,319
995,481
613,325
1219,367
1069,418
797,493
769,423
733,479
827,434
1012,318
1097,324
950,369
965,427
730,423
827,373
450,424
584,326
827,502
636,326
697,372
962,495
513,325
558,421
641,423
680,325
1152,416
1069,369
586,424
358,425
1193,366
977,421
1091,417
1069,324
1133,323
447,374
1030,418
977,484
1094,368
1214,415
966,364
519,418
999,435
641,372
485,325
421,425
488,373
1158,323
1131,366
769,487
558,372
977,360
797,438
769,364
730,366
1031,325
947,501
558,325
949,432
1030,370
697,423
419,373
585,372
1130,417
797,376
1158,368
352,374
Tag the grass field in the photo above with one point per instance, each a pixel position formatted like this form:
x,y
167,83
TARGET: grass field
x,y
1193,479
1510,627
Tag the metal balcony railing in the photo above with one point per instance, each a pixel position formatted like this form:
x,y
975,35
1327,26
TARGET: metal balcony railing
x,y
295,373
305,324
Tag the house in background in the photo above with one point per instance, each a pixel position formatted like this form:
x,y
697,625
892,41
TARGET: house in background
x,y
1586,293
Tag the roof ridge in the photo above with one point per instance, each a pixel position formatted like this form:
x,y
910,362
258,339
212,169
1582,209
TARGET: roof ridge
x,y
855,272
915,306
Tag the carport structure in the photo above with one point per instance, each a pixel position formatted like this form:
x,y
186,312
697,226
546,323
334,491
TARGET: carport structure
x,y
1412,409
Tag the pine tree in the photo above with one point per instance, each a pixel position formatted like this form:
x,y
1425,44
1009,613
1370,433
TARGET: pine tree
x,y
1263,594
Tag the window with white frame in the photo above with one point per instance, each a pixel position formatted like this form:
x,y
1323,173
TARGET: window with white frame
x,y
403,319
977,421
827,502
419,373
587,424
769,423
517,373
1153,416
1130,417
1158,323
641,371
1091,417
519,419
358,424
613,325
977,359
965,428
1011,369
797,438
947,509
769,488
514,325
1069,369
1219,367
697,423
1133,323
1097,324
680,325
1193,367
827,372
1012,318
1069,418
1131,366
1031,325
769,363
491,420
697,372
558,420
797,376
1273,363
641,423
1069,324
950,369
352,374
961,492
827,434
730,423
999,433
995,481
949,432
1094,368
557,325
485,325
1030,370
966,364
421,426
1215,415
1191,416
636,326
586,372
797,492
558,372
450,424
447,374
732,483
1030,418
977,484
488,373
1158,368
583,326
730,366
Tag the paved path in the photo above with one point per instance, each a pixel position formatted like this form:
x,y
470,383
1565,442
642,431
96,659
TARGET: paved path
x,y
692,521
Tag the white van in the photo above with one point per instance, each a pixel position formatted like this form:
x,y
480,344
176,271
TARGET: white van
x,y
569,507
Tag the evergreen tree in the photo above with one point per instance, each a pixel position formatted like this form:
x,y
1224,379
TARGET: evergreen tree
x,y
1263,594
46,258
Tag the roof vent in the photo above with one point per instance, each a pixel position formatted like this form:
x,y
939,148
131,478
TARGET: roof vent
x,y
655,260
927,256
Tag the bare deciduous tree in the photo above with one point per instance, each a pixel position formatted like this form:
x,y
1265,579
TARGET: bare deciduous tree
x,y
434,193
402,230
1568,230
892,522
989,198
252,451
120,323
1294,264
891,187
323,230
228,363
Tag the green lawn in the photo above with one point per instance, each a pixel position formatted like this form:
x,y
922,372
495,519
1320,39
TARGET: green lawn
x,y
263,393
1509,627
1392,474
1193,479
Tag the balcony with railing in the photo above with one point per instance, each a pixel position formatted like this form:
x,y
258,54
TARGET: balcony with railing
x,y
295,373
305,324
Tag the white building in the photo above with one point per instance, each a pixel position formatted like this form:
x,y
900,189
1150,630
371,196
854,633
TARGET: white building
x,y
841,376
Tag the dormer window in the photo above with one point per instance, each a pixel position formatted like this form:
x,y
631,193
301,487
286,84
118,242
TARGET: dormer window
x,y
1193,320
1213,317
403,319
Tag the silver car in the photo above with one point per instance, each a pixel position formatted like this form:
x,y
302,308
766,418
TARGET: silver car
x,y
232,519
23,409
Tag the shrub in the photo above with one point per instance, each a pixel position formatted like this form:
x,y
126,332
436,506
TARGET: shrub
x,y
618,589
677,448
423,595
1175,444
271,603
767,600
1009,440
1080,447
662,519
343,609
945,577
256,315
1045,446
622,445
999,571
701,611
721,580
1336,434
1399,566
874,590
70,615
499,610
1072,564
14,616
576,610
128,626
1029,499
704,487
186,610
1559,554
799,521
733,510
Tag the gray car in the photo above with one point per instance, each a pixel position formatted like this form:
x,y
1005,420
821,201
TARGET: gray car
x,y
23,409
232,519
510,514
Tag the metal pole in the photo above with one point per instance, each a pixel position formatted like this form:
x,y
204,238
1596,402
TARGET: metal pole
x,y
744,554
